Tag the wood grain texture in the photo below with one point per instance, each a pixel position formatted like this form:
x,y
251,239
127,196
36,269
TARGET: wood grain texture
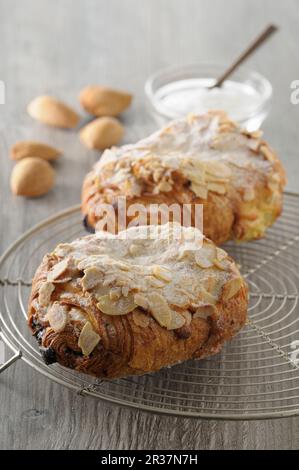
x,y
59,46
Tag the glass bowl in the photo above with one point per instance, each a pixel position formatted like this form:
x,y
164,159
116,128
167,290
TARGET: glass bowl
x,y
177,91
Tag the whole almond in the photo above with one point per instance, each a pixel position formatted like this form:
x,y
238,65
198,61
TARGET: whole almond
x,y
102,133
32,177
103,101
28,148
53,112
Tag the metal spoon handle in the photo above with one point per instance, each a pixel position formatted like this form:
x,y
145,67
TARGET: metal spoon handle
x,y
250,49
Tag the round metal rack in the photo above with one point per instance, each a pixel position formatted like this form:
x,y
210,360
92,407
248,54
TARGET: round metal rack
x,y
255,376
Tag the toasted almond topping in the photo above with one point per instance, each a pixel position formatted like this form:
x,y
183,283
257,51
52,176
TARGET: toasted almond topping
x,y
154,282
115,293
141,301
57,316
220,264
254,144
160,309
140,318
162,273
125,291
218,170
177,321
232,287
76,314
44,293
164,187
188,317
266,151
204,257
220,254
57,270
204,312
92,277
88,339
249,194
218,188
207,297
116,307
201,190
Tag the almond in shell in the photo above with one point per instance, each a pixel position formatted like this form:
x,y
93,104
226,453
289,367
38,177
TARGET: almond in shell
x,y
30,148
104,101
102,133
53,112
32,177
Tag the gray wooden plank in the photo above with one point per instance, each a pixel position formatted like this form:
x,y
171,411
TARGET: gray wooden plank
x,y
58,47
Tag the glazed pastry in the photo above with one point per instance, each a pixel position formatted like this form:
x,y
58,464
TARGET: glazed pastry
x,y
203,159
149,297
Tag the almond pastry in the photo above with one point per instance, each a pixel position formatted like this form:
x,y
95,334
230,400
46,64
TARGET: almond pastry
x,y
109,322
202,159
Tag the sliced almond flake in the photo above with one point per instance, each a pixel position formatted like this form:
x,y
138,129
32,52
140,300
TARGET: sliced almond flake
x,y
164,187
116,307
76,314
44,293
226,127
188,316
88,339
220,254
125,291
204,312
177,321
220,265
232,287
57,316
92,277
216,179
218,169
254,144
62,280
272,186
204,258
200,190
157,174
160,309
217,188
63,249
140,318
207,297
115,293
123,266
249,194
154,282
141,301
57,270
254,134
162,273
265,150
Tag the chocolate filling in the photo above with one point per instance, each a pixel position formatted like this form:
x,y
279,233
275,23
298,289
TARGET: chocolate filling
x,y
49,355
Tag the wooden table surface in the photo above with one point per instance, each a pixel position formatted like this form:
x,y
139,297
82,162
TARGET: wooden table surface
x,y
58,46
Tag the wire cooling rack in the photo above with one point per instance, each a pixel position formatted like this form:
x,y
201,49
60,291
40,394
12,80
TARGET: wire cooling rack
x,y
255,376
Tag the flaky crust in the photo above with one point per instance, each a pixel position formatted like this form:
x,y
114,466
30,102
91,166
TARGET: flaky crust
x,y
134,343
240,207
